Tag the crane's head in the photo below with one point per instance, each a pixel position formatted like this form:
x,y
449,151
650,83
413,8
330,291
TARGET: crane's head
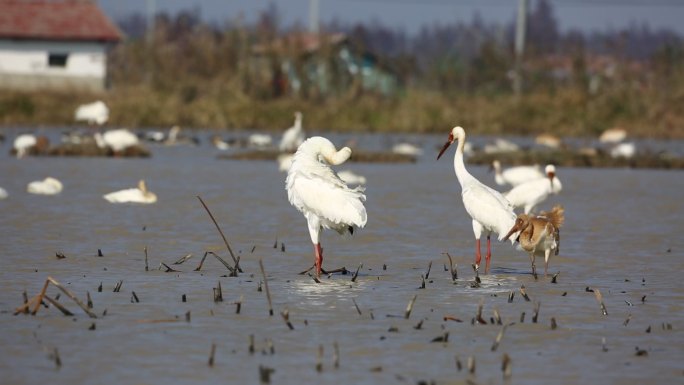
x,y
550,173
521,223
457,133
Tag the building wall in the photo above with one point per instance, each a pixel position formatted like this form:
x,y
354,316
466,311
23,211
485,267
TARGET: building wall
x,y
47,64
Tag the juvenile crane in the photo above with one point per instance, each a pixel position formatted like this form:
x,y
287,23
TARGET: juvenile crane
x,y
539,234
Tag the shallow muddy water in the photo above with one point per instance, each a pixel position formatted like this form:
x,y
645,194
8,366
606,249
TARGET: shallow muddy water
x,y
622,236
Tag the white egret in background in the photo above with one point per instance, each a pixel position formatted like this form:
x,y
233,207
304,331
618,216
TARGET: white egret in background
x,y
47,186
407,149
625,150
350,177
613,135
118,140
318,193
530,194
3,193
284,161
93,113
489,210
132,195
539,234
515,175
23,144
293,136
259,140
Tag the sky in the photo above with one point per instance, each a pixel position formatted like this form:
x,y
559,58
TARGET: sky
x,y
411,15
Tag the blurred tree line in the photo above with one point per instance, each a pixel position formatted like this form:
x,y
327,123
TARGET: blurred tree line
x,y
239,75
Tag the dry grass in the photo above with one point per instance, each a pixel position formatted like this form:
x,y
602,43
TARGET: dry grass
x,y
217,105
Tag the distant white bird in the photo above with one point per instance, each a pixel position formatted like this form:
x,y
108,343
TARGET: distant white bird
x,y
539,234
47,186
132,195
350,177
623,150
501,145
613,135
260,140
293,136
3,193
118,140
93,113
318,193
219,143
23,144
284,161
407,149
530,194
489,210
548,140
515,175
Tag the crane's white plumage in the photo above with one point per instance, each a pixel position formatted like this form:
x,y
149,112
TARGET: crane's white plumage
x,y
3,193
293,136
515,175
93,113
530,194
132,195
47,186
318,193
489,210
23,143
118,140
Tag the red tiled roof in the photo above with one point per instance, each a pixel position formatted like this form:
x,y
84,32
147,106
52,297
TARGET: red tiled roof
x,y
81,20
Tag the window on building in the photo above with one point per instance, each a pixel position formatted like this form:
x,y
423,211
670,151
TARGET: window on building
x,y
57,59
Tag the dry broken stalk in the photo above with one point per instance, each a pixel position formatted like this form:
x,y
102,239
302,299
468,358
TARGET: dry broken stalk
x,y
409,308
65,291
268,293
599,298
237,261
452,268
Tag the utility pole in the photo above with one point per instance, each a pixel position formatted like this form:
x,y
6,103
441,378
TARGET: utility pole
x,y
151,10
521,26
313,16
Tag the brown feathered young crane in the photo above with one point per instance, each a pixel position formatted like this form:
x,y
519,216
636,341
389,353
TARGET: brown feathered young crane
x,y
539,234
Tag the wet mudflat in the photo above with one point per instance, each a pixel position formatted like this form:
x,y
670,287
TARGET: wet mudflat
x,y
622,236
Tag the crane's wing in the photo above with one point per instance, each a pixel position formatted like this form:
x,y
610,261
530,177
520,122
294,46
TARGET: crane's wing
x,y
489,208
329,199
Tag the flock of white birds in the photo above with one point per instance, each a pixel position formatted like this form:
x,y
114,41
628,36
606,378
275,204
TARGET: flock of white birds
x,y
325,197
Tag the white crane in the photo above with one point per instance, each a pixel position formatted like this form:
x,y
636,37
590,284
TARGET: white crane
x,y
530,194
489,210
539,234
3,193
47,186
515,175
93,113
318,193
118,140
132,195
293,136
23,144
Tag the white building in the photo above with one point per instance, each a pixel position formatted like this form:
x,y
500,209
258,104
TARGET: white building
x,y
54,44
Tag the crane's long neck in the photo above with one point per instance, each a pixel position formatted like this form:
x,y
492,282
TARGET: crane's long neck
x,y
459,166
